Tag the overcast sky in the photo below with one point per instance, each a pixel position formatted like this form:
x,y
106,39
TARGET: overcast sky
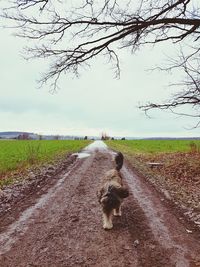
x,y
93,103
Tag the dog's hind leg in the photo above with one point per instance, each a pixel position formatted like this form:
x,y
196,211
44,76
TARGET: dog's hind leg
x,y
117,211
107,220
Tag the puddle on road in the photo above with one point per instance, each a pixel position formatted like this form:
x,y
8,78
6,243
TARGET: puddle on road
x,y
95,146
81,155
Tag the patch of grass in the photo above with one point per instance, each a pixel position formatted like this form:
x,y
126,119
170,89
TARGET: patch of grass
x,y
16,155
154,146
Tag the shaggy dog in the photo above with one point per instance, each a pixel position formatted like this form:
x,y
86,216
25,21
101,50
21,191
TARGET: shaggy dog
x,y
112,192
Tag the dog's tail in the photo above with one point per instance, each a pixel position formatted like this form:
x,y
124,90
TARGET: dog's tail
x,y
119,159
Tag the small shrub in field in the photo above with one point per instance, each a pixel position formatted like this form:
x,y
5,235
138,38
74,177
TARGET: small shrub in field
x,y
32,153
194,148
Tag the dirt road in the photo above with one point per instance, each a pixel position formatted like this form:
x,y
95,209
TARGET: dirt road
x,y
63,226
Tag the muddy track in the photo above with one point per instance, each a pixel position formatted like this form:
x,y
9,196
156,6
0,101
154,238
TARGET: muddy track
x,y
64,228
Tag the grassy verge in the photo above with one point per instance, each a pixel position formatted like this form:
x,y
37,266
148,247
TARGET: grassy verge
x,y
17,156
179,172
156,146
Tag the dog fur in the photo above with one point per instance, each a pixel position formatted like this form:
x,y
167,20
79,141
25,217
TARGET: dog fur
x,y
112,192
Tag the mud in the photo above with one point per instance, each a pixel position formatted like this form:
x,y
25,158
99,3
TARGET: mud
x,y
63,226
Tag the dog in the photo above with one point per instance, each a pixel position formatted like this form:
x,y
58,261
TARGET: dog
x,y
112,192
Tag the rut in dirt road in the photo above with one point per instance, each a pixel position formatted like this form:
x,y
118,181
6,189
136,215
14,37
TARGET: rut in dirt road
x,y
64,227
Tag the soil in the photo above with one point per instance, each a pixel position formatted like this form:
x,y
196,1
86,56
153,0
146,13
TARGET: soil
x,y
59,223
176,175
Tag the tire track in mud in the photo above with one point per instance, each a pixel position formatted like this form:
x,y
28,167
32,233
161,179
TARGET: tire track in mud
x,y
40,217
66,228
162,236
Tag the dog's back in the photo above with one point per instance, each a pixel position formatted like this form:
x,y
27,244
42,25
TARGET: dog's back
x,y
114,174
119,160
111,183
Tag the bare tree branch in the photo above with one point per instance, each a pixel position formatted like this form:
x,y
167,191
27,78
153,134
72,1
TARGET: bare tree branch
x,y
190,88
71,35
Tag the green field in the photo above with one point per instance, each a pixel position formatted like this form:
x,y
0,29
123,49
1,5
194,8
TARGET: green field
x,y
154,146
21,154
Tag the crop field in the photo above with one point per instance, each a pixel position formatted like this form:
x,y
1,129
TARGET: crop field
x,y
18,154
154,146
